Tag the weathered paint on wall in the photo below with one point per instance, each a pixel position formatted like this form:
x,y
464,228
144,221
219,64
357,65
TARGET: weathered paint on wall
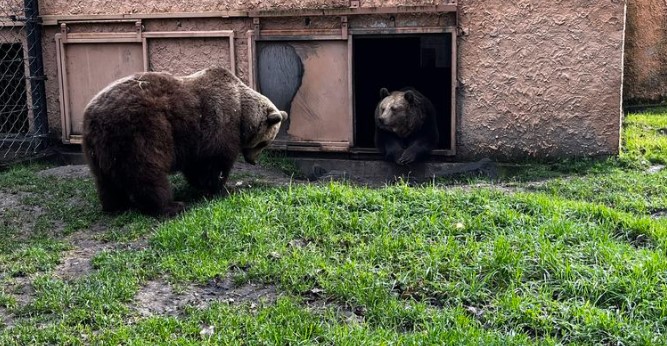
x,y
645,79
315,103
539,78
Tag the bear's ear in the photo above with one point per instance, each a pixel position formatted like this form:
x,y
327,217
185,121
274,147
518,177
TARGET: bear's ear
x,y
274,118
409,96
384,93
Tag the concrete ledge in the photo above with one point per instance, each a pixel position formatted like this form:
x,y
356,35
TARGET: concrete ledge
x,y
382,171
363,171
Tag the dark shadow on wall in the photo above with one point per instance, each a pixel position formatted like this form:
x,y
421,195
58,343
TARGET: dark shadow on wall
x,y
280,74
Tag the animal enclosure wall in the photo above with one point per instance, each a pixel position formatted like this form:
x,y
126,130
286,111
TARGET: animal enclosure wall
x,y
645,78
508,79
540,78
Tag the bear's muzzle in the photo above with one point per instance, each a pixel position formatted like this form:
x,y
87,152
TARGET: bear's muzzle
x,y
251,155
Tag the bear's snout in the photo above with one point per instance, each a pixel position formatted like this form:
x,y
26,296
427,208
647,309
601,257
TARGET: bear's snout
x,y
251,155
382,121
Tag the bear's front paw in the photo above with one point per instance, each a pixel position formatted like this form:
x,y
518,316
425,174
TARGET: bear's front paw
x,y
214,187
174,208
406,159
393,156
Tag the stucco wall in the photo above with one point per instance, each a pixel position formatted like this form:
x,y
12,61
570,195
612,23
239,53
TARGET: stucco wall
x,y
80,7
539,78
645,79
51,83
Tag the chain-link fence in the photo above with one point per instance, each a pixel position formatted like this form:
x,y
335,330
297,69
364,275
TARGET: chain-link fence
x,y
23,117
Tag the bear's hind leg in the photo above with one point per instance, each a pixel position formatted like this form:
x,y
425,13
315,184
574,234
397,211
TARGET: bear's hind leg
x,y
207,177
152,195
113,197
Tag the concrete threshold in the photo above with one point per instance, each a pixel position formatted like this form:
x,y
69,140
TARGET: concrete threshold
x,y
376,170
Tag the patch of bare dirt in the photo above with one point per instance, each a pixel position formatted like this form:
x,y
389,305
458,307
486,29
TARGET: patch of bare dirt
x,y
655,169
6,318
11,201
659,214
500,187
245,174
638,240
157,297
77,262
344,313
21,289
14,214
66,172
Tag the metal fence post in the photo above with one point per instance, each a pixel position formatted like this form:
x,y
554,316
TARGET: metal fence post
x,y
33,29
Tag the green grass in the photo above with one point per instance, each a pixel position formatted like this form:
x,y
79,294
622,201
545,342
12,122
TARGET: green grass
x,y
280,161
645,139
567,253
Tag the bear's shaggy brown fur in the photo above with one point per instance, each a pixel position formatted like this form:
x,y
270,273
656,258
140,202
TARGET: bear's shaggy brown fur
x,y
142,127
406,126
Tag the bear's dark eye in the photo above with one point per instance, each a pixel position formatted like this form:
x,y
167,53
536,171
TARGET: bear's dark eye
x,y
393,108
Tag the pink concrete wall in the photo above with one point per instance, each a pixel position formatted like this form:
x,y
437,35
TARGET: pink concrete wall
x,y
51,83
540,78
645,79
80,7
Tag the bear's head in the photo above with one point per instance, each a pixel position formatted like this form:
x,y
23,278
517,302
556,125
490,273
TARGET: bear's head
x,y
261,127
399,112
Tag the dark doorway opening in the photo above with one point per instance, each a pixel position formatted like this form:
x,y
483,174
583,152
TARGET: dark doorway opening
x,y
421,61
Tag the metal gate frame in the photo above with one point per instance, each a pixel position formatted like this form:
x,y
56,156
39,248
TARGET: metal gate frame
x,y
28,141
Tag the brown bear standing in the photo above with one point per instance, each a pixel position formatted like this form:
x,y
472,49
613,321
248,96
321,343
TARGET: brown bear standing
x,y
142,127
406,128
